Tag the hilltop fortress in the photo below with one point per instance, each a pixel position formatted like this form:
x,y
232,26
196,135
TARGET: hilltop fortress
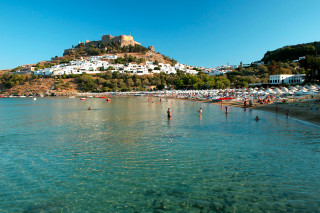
x,y
122,40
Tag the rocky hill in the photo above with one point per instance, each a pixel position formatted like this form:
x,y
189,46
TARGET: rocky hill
x,y
107,44
292,52
119,45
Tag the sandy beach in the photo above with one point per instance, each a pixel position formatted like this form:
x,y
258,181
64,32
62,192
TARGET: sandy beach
x,y
303,110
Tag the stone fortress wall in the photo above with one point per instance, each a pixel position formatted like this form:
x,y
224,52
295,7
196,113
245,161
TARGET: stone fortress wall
x,y
124,40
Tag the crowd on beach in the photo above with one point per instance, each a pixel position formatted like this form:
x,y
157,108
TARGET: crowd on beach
x,y
248,96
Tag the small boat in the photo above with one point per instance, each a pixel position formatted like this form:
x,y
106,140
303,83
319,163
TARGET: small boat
x,y
82,99
72,96
103,97
89,108
108,99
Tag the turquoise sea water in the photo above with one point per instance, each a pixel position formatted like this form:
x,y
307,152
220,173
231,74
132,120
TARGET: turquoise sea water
x,y
126,156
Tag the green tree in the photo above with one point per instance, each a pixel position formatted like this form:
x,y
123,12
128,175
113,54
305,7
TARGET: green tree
x,y
145,82
160,86
130,82
138,82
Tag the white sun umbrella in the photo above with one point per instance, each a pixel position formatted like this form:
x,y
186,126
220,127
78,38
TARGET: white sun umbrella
x,y
299,92
312,87
278,91
293,89
269,90
284,89
289,93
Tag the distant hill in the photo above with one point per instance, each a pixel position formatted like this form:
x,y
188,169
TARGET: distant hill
x,y
292,52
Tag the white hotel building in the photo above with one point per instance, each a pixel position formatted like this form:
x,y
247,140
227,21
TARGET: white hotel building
x,y
287,79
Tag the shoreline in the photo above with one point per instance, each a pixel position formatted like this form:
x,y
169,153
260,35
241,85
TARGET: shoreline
x,y
304,111
307,110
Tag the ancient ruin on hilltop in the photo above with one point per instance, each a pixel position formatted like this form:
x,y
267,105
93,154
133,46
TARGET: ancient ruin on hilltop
x,y
106,40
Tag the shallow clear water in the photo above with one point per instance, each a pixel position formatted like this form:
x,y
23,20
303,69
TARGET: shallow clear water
x,y
126,156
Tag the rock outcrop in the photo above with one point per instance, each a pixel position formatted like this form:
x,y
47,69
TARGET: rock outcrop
x,y
151,49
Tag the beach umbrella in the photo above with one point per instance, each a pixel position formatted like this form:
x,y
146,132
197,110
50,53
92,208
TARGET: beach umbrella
x,y
313,87
278,91
284,89
289,93
269,90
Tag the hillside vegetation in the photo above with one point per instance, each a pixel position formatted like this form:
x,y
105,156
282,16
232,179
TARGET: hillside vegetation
x,y
13,84
293,52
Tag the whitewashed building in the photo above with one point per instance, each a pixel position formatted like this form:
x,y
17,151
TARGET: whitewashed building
x,y
287,79
193,72
180,66
167,68
136,69
110,57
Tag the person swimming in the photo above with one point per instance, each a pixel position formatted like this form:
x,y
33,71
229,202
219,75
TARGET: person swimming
x,y
257,118
169,113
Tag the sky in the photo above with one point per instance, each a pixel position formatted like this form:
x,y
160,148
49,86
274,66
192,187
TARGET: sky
x,y
198,33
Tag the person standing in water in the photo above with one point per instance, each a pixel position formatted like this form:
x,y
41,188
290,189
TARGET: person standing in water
x,y
200,111
169,113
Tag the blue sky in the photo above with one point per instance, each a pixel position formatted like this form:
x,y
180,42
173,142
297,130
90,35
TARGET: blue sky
x,y
200,33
